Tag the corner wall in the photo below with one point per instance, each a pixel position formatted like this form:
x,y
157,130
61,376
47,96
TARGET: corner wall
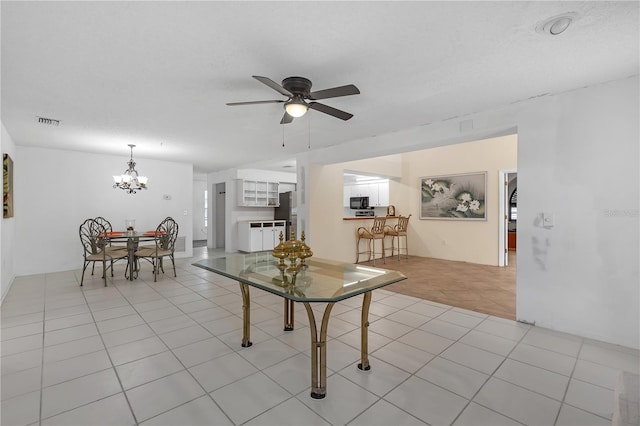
x,y
7,226
578,159
461,240
57,190
467,241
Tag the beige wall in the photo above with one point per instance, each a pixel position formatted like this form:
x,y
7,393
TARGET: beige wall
x,y
470,241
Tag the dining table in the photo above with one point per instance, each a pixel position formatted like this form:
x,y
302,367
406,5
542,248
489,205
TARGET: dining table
x,y
131,239
319,281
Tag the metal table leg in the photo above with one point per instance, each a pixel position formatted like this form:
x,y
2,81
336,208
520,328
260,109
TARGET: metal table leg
x,y
131,259
364,333
318,352
246,315
288,315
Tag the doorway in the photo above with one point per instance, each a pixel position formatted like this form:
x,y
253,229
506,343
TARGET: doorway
x,y
219,214
508,179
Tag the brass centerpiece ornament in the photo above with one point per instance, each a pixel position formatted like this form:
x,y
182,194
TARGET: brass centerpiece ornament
x,y
292,254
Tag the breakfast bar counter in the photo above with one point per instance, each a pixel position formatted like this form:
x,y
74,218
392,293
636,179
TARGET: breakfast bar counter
x,y
366,217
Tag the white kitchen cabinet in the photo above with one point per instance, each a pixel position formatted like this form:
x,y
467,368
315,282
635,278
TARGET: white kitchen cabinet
x,y
378,193
256,193
259,235
383,194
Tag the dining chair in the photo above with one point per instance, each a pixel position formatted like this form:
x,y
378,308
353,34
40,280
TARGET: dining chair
x,y
165,240
373,234
111,249
94,239
397,231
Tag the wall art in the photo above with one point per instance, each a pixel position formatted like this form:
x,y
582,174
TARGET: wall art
x,y
454,197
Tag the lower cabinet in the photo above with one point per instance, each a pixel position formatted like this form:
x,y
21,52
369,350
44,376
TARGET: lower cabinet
x,y
259,235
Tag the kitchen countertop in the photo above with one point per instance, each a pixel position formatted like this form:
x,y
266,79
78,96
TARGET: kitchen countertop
x,y
366,217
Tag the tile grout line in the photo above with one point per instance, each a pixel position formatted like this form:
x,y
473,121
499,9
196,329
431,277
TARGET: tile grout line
x,y
518,343
490,376
173,354
135,419
566,389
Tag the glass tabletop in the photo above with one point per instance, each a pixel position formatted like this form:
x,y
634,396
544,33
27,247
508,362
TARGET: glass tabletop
x,y
322,280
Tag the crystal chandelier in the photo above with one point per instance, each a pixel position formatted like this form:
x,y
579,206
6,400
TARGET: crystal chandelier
x,y
129,180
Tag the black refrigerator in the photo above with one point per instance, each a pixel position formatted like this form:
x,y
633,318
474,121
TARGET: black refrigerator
x,y
287,211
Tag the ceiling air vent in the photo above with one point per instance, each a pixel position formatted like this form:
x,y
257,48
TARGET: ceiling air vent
x,y
48,121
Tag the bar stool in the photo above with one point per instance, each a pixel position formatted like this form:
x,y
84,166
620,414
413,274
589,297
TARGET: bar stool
x,y
376,232
397,231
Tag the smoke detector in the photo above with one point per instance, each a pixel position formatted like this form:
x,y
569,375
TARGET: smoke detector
x,y
556,25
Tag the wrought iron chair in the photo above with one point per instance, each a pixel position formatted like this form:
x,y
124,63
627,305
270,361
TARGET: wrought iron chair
x,y
166,234
397,231
94,239
111,249
376,232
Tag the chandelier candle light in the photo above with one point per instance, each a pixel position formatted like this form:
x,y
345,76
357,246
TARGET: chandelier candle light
x,y
130,181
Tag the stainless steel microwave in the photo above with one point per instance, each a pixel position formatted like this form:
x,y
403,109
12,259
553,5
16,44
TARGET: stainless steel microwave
x,y
359,203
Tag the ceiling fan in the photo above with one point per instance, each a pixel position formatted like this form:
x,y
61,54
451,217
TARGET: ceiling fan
x,y
298,91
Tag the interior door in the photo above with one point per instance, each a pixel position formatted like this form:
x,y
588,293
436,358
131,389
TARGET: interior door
x,y
219,190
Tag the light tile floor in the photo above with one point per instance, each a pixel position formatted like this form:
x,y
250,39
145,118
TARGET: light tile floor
x,y
168,353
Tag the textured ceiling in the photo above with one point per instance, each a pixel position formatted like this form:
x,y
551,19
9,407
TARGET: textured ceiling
x,y
158,74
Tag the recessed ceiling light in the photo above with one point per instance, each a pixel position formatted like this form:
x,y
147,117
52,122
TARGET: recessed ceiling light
x,y
556,25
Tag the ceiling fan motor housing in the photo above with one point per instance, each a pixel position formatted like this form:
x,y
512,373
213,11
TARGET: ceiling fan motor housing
x,y
298,91
297,85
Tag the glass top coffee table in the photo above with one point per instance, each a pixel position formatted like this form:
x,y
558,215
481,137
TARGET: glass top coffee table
x,y
322,281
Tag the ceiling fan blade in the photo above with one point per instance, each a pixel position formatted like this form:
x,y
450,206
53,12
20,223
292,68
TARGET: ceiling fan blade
x,y
255,102
286,118
330,110
335,92
275,86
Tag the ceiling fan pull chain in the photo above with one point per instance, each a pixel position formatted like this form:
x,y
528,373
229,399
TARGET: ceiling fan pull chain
x,y
309,141
282,134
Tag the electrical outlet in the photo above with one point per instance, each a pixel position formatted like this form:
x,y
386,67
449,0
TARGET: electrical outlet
x,y
166,197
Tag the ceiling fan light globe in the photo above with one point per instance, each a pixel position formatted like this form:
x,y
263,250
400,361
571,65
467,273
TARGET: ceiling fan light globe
x,y
295,109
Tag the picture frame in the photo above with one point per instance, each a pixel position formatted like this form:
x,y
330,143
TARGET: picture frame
x,y
454,197
7,186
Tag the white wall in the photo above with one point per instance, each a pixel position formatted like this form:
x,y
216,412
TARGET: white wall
x,y
7,226
578,159
199,186
57,190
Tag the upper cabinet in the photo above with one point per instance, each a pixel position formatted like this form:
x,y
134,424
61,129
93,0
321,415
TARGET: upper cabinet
x,y
383,194
256,193
377,192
